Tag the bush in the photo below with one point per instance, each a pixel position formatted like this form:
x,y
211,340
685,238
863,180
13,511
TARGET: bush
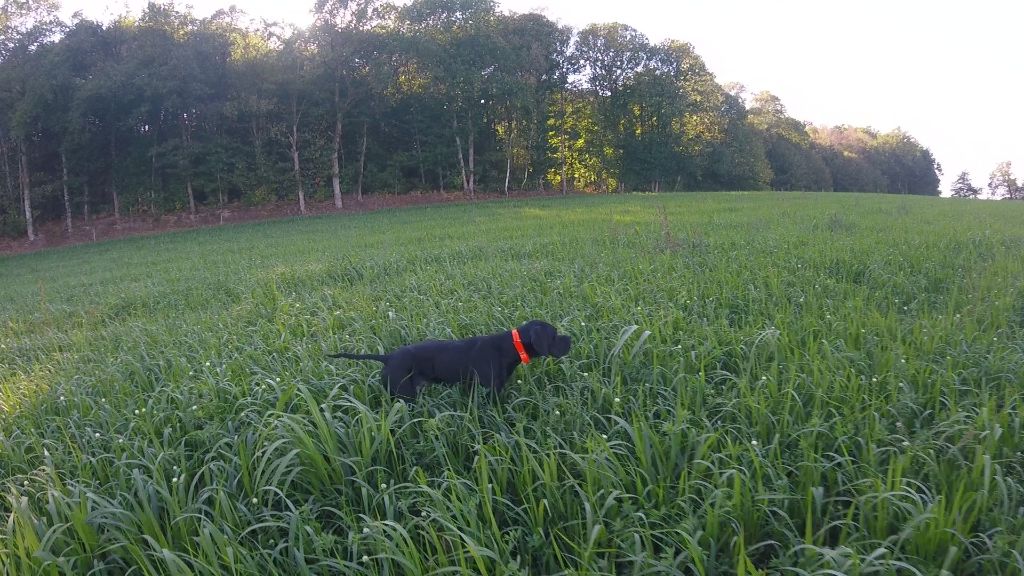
x,y
11,225
261,195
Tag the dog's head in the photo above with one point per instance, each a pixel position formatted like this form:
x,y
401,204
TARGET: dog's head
x,y
542,339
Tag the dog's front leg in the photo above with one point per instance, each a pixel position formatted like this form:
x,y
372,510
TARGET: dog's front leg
x,y
492,379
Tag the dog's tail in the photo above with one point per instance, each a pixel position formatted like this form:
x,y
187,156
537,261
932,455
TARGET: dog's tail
x,y
377,357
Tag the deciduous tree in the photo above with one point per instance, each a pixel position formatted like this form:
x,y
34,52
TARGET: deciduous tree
x,y
1003,184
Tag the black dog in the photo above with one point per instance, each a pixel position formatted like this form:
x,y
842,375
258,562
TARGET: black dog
x,y
488,359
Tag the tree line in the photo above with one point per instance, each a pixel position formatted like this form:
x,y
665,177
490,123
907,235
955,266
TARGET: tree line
x,y
1002,184
166,111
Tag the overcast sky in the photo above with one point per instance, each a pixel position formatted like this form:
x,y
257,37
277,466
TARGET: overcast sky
x,y
950,73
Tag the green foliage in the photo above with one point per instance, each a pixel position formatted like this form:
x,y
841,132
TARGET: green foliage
x,y
908,167
795,163
862,160
760,383
739,160
166,109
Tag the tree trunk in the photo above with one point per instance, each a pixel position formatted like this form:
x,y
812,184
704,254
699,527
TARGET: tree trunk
x,y
257,145
335,166
152,181
294,138
564,146
191,197
419,160
362,165
113,185
526,176
186,141
67,199
472,166
508,173
564,162
508,159
220,192
462,163
7,167
26,189
85,202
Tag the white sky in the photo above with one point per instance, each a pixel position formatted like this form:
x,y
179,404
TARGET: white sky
x,y
949,72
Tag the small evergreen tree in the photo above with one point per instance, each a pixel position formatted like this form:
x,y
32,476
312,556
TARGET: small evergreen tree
x,y
963,188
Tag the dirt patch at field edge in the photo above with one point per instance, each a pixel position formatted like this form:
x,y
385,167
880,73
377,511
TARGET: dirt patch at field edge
x,y
52,234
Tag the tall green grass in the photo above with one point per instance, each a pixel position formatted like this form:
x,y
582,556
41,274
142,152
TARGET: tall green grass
x,y
786,384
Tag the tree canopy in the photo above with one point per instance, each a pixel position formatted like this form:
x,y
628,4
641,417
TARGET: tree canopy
x,y
168,111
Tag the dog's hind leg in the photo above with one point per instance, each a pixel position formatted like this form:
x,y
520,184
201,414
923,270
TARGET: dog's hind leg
x,y
401,381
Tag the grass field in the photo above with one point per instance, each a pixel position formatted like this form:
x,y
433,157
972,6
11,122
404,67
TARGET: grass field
x,y
785,384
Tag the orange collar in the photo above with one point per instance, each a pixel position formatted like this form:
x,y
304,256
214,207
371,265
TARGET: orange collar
x,y
523,356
